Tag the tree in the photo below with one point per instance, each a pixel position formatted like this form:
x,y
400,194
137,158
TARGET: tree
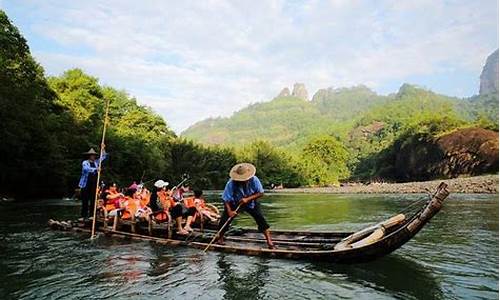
x,y
325,160
29,152
274,166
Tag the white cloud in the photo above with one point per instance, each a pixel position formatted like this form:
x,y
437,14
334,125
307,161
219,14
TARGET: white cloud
x,y
199,59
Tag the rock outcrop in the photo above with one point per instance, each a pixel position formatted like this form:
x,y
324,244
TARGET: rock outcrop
x,y
299,91
489,75
322,95
469,151
285,92
368,130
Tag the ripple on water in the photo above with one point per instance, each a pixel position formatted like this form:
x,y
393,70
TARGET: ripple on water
x,y
454,257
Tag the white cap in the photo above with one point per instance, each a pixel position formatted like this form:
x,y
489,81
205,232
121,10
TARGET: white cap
x,y
160,183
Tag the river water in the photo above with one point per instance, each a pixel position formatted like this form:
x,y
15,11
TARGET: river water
x,y
453,257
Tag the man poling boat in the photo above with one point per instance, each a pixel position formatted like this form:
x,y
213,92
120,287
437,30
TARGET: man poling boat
x,y
241,194
88,180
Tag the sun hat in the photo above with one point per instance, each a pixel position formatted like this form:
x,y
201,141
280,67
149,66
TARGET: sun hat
x,y
90,152
160,183
242,172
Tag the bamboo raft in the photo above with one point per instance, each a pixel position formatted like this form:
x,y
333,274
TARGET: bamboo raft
x,y
339,247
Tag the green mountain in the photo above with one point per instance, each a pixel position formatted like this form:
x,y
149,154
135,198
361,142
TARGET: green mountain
x,y
288,122
343,104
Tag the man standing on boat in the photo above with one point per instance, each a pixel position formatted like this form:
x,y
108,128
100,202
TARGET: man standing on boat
x,y
243,190
88,181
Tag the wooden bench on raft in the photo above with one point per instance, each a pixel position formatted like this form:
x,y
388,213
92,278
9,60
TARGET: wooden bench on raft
x,y
133,221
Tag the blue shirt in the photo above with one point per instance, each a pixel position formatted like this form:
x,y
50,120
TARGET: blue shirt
x,y
87,169
234,192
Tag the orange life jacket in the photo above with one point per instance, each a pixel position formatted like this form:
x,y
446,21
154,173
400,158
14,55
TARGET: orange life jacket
x,y
110,204
166,202
145,196
189,202
130,208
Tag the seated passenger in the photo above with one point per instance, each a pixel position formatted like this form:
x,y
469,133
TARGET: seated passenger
x,y
178,193
157,201
131,204
199,203
189,211
164,206
112,200
143,196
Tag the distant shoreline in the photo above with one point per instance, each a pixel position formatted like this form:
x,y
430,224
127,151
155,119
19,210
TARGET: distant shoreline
x,y
484,184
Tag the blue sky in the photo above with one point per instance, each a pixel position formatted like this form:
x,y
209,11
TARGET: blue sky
x,y
190,60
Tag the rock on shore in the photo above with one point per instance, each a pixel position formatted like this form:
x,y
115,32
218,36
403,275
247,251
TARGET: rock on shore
x,y
486,184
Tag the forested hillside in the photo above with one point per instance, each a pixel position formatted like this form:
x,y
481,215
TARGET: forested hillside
x,y
367,125
290,122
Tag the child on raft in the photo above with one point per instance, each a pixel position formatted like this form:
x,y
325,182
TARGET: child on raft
x,y
203,211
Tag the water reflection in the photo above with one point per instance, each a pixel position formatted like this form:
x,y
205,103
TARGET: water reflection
x,y
241,283
393,274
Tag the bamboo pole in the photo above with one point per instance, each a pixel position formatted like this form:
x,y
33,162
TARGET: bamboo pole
x,y
99,168
220,230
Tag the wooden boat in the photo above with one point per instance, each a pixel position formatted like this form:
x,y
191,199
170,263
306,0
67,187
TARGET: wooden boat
x,y
340,247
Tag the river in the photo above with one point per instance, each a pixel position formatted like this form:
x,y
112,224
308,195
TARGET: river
x,y
453,257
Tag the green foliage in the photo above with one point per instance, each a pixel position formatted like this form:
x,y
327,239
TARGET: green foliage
x,y
136,139
208,166
482,110
287,122
343,104
28,121
325,161
274,166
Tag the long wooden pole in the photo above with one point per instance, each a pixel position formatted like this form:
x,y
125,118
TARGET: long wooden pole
x,y
99,169
220,230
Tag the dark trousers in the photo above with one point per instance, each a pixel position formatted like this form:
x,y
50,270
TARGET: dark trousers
x,y
255,212
179,211
88,197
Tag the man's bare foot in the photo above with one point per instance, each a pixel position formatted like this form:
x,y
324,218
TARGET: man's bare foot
x,y
188,228
271,246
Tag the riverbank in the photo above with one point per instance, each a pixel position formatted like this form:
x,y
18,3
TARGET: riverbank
x,y
486,184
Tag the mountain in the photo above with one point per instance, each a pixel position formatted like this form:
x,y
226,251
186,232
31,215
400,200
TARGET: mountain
x,y
413,134
342,104
290,121
489,75
287,120
283,120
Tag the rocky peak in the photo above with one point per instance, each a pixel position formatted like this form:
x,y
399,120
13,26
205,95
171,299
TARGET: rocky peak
x,y
299,91
359,90
285,92
489,75
321,94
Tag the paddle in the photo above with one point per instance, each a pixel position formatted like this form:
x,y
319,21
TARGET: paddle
x,y
223,226
185,177
99,168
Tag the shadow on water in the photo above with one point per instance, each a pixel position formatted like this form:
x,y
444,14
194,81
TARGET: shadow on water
x,y
402,278
242,285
